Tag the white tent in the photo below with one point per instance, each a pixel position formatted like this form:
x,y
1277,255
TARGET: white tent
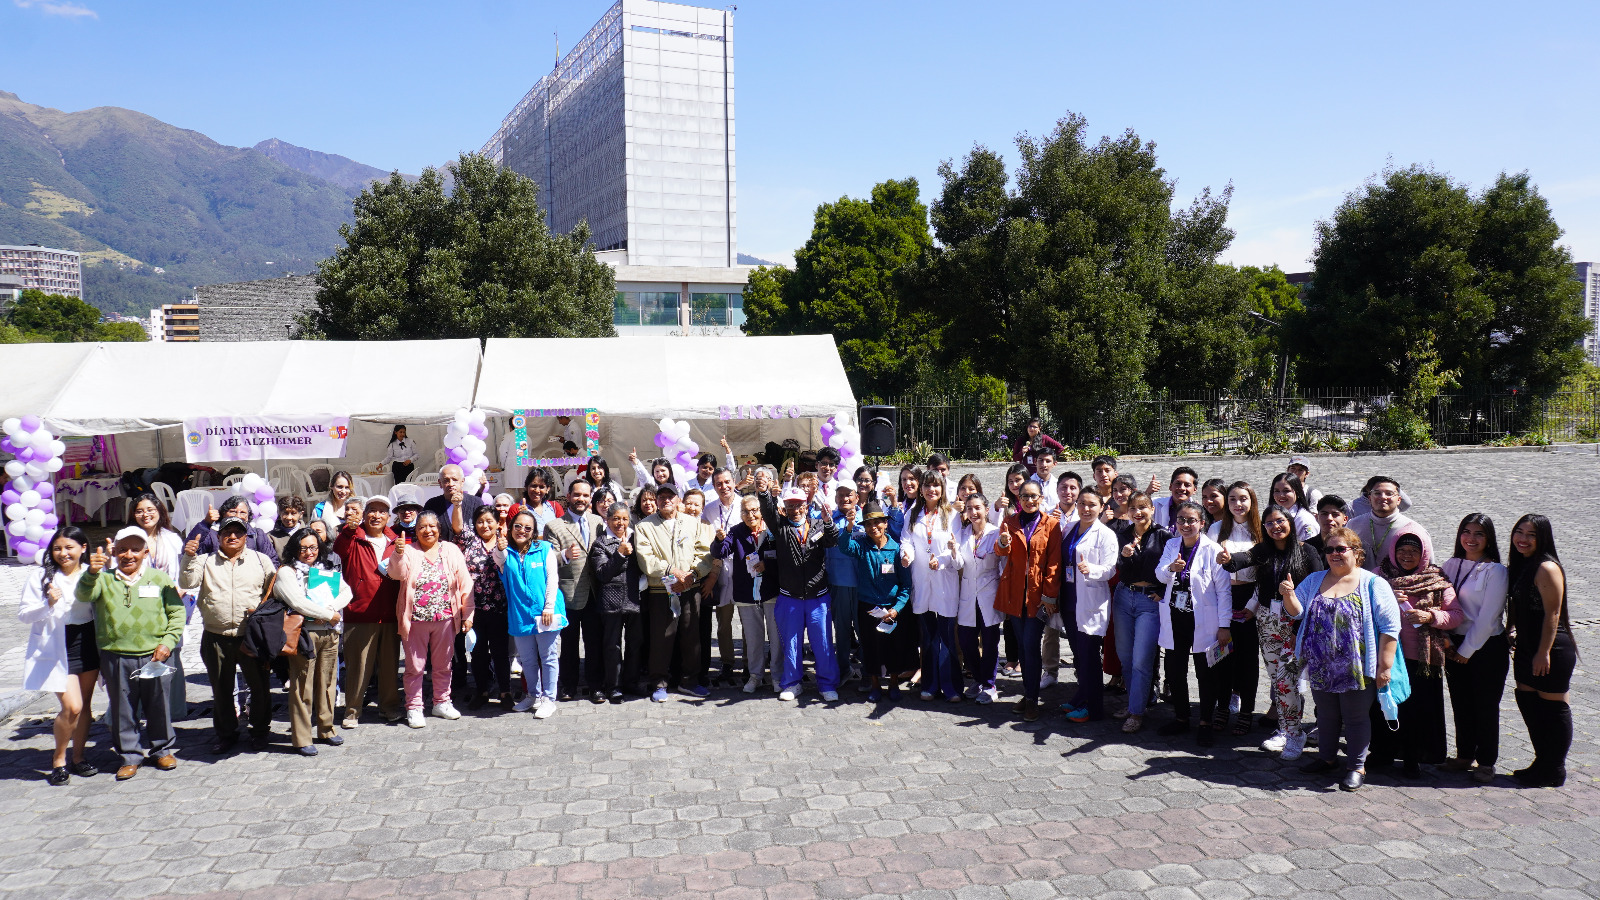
x,y
634,381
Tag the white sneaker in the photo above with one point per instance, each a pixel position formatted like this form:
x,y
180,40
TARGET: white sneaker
x,y
830,696
1293,746
988,696
545,710
445,711
786,696
1234,705
526,703
751,685
414,718
1275,743
1046,680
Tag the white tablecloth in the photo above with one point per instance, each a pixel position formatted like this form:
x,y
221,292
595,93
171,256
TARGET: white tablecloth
x,y
88,494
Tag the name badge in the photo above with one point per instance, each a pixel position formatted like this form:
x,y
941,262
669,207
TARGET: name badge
x,y
149,591
1182,602
886,569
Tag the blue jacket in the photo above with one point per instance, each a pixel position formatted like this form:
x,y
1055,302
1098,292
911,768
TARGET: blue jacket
x,y
873,587
1381,615
530,579
841,567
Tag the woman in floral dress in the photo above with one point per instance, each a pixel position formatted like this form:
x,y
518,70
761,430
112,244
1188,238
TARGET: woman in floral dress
x,y
435,604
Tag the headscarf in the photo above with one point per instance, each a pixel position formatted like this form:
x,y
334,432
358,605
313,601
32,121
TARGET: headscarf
x,y
1423,588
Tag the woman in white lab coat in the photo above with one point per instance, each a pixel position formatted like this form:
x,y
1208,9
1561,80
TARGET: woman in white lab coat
x,y
928,551
977,622
62,655
1088,560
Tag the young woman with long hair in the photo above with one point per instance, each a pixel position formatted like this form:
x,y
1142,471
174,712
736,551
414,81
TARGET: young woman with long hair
x,y
928,551
62,656
1238,528
1545,651
1478,663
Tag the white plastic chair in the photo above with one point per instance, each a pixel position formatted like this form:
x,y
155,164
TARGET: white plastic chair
x,y
164,493
363,486
319,486
189,508
423,478
232,480
440,457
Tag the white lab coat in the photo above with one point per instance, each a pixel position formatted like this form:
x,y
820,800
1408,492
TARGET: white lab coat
x,y
980,577
1098,547
938,590
44,661
1209,586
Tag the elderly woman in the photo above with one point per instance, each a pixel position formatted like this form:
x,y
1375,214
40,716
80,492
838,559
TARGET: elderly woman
x,y
1349,629
291,515
755,589
491,656
435,603
1030,543
1428,605
530,569
883,588
616,586
1282,561
61,656
311,586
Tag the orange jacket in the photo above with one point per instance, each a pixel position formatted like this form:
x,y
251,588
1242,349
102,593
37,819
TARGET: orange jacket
x,y
1033,568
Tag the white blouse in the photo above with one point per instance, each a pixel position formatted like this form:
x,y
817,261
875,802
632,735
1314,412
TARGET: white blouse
x,y
1238,541
1481,590
401,451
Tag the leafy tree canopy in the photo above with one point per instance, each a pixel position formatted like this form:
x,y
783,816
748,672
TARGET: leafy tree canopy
x,y
1418,282
45,318
479,262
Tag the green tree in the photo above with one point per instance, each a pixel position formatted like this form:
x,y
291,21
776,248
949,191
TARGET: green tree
x,y
846,281
55,317
476,262
130,332
1418,283
1074,282
1271,296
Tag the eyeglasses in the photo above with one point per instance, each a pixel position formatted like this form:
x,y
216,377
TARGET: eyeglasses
x,y
1335,550
522,528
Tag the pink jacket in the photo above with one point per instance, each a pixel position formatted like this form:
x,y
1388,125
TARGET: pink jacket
x,y
405,568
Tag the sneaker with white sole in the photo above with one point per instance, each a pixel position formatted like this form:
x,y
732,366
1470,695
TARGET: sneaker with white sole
x,y
988,696
544,710
526,703
414,718
1046,680
444,711
751,685
1293,746
1275,743
786,696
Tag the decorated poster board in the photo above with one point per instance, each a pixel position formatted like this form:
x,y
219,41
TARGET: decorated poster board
x,y
556,437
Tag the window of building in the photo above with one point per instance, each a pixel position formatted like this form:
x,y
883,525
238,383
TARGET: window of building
x,y
645,308
709,310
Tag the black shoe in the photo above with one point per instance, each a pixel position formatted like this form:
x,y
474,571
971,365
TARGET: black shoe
x,y
477,701
307,750
224,745
1204,736
564,695
618,697
258,742
1412,770
1352,781
1537,776
332,740
1176,726
1318,767
83,769
597,698
58,776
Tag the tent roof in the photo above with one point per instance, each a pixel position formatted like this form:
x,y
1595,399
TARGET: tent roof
x,y
82,389
651,377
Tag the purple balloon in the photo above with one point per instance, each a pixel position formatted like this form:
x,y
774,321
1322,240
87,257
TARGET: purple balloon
x,y
45,504
50,523
6,446
457,455
25,548
479,431
263,495
26,454
30,422
662,440
45,489
8,497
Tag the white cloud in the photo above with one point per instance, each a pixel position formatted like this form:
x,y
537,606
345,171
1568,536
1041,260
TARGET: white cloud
x,y
62,8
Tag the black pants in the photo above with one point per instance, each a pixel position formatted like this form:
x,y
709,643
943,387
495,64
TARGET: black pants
x,y
620,670
1241,670
222,658
401,471
584,624
1087,667
673,638
1176,669
1418,736
1476,689
491,658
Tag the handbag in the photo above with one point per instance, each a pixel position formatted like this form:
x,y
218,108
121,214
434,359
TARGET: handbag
x,y
292,623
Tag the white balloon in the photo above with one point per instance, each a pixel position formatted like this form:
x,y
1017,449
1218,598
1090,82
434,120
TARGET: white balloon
x,y
16,511
480,416
472,484
34,533
34,517
268,510
451,440
18,528
15,468
54,464
463,418
30,499
58,448
38,557
22,483
34,470
11,426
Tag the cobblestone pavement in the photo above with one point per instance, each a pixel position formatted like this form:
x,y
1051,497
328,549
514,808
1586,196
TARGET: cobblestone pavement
x,y
741,797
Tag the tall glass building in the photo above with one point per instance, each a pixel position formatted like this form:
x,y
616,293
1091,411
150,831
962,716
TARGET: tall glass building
x,y
633,132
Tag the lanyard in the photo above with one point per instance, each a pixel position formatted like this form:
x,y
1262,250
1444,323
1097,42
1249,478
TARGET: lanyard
x,y
1471,568
1072,545
1187,555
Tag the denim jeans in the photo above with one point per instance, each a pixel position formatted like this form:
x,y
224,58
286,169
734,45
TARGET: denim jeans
x,y
540,655
797,618
941,673
1138,628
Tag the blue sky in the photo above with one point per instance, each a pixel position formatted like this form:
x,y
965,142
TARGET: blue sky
x,y
1295,104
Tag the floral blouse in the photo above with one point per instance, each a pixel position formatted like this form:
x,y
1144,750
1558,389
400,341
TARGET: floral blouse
x,y
1332,648
432,603
488,594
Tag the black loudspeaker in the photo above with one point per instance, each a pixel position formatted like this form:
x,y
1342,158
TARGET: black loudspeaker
x,y
877,430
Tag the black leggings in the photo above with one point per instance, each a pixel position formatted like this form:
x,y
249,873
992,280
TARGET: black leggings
x,y
1239,672
1476,688
1176,669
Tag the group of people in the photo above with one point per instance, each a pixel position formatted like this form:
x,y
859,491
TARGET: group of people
x,y
913,583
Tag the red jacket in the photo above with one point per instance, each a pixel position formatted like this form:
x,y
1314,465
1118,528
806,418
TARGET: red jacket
x,y
376,597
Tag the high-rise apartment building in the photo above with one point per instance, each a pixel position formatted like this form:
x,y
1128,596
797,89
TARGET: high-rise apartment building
x,y
45,268
1588,275
633,132
174,322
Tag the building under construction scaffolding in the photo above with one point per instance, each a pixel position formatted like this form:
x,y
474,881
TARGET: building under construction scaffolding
x,y
633,133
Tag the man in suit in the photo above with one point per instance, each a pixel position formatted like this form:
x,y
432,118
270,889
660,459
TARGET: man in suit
x,y
572,534
455,507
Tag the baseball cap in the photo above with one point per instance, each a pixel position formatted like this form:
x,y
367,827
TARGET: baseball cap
x,y
793,495
231,521
132,532
378,499
1300,461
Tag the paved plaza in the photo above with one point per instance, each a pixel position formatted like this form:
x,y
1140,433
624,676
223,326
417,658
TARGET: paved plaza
x,y
747,797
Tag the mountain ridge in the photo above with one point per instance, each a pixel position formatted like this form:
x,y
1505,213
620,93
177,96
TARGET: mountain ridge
x,y
330,167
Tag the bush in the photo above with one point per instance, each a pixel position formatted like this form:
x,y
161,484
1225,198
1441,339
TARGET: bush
x,y
1395,427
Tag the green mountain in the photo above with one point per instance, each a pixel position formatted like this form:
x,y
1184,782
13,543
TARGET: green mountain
x,y
156,209
331,167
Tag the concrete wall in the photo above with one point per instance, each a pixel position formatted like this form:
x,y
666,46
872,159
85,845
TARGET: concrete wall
x,y
254,310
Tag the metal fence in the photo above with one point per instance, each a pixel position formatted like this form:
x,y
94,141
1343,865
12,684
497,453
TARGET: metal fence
x,y
1345,418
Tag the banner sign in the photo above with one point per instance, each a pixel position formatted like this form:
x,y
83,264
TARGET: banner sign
x,y
758,411
238,438
571,438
